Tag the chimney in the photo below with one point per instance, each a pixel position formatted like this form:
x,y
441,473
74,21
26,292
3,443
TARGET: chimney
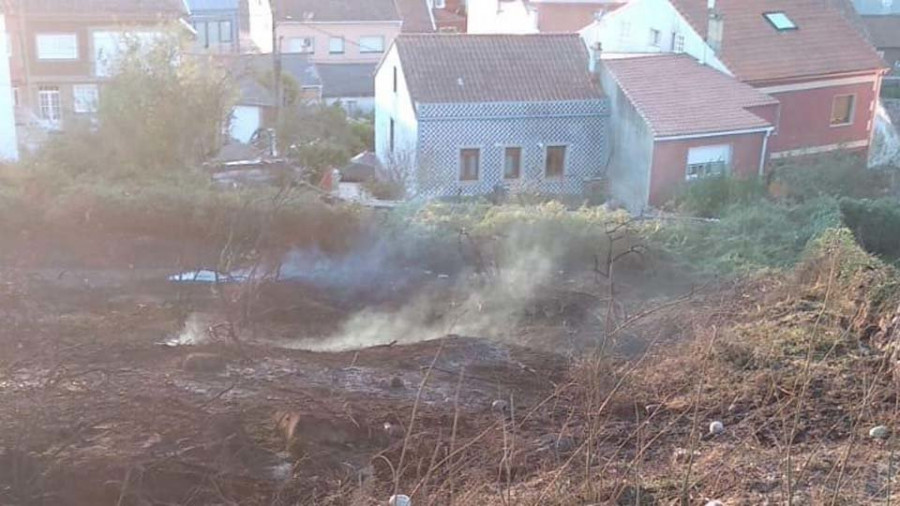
x,y
597,53
715,28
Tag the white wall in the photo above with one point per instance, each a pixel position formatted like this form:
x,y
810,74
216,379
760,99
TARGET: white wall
x,y
397,106
261,24
8,142
245,121
496,16
628,30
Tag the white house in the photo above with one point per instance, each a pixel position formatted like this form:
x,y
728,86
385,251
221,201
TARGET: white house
x,y
648,26
473,114
8,143
501,16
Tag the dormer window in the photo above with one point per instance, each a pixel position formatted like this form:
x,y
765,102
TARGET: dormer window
x,y
780,21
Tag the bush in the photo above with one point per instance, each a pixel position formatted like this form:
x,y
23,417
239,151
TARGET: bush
x,y
875,224
832,174
709,197
764,234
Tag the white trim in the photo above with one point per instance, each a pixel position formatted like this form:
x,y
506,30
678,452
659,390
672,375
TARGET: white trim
x,y
825,83
713,134
819,149
762,154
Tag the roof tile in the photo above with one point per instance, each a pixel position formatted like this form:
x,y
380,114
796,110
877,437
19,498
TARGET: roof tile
x,y
443,68
693,99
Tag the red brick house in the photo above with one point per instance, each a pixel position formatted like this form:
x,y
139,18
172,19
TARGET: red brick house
x,y
449,15
698,123
805,53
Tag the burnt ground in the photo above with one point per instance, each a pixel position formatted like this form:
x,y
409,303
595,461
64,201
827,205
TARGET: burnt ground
x,y
119,387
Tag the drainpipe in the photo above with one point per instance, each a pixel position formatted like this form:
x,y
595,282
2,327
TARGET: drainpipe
x,y
765,150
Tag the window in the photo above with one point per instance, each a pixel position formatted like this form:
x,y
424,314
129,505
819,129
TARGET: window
x,y
677,43
392,135
512,163
226,34
440,4
336,45
780,21
85,98
842,109
555,161
707,161
48,98
202,33
305,45
654,37
468,164
62,46
373,44
395,79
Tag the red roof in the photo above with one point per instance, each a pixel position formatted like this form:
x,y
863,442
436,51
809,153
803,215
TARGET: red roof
x,y
690,98
568,17
823,43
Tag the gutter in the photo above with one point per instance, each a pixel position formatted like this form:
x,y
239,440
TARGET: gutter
x,y
765,149
714,134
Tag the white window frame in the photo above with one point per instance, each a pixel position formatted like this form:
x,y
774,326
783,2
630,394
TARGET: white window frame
x,y
82,104
852,112
49,103
364,48
655,37
307,46
61,46
565,167
227,23
678,43
722,163
459,171
519,168
331,45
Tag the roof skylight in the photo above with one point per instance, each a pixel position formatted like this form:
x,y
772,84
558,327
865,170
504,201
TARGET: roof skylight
x,y
780,21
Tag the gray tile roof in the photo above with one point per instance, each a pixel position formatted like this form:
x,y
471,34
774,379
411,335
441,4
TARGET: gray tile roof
x,y
252,70
442,68
336,10
347,79
416,16
142,7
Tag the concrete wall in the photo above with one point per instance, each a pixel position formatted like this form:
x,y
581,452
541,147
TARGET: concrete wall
x,y
396,106
496,16
631,149
9,149
805,114
669,170
351,32
627,30
445,129
260,24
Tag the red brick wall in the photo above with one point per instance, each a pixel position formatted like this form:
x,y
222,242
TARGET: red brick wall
x,y
804,119
668,171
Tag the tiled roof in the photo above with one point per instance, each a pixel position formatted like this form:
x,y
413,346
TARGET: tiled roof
x,y
676,95
416,16
570,17
825,41
336,10
142,7
884,30
443,68
347,79
252,71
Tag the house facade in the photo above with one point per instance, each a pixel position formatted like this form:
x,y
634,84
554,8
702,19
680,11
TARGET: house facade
x,y
537,16
450,16
701,123
9,146
827,95
469,114
338,31
218,25
63,50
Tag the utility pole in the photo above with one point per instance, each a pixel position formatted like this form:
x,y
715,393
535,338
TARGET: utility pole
x,y
276,70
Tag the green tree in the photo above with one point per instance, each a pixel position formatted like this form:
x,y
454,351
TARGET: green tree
x,y
164,110
321,137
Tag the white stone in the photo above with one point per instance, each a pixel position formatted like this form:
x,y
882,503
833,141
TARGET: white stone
x,y
879,432
400,500
716,427
715,503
